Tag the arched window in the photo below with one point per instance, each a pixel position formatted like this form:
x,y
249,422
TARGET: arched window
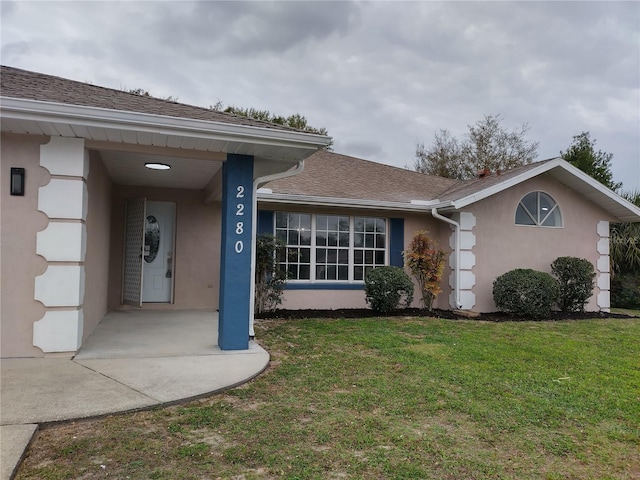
x,y
538,209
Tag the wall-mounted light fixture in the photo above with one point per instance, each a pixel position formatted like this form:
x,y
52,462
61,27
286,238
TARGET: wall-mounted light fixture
x,y
17,181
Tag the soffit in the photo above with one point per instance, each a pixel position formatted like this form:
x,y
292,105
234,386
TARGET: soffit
x,y
127,168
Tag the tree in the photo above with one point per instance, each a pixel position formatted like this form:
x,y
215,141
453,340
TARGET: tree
x,y
426,262
296,120
145,93
487,145
582,154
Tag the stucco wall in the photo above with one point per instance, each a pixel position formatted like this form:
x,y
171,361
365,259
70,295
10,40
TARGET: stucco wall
x,y
335,299
197,260
98,242
21,221
502,246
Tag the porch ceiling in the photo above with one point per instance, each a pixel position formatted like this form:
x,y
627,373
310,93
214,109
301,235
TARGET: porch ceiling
x,y
127,168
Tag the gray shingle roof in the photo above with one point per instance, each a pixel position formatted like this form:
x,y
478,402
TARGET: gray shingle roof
x,y
23,84
328,174
464,188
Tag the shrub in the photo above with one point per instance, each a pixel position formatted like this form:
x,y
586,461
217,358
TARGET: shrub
x,y
576,281
625,290
426,262
386,288
525,292
270,280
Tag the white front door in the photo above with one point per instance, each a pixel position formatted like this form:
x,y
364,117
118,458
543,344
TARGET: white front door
x,y
158,253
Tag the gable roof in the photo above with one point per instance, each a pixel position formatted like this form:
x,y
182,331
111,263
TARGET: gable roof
x,y
467,188
332,179
329,175
472,191
39,104
18,83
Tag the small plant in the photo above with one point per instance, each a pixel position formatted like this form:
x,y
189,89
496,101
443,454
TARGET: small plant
x,y
426,262
270,279
525,292
576,281
386,288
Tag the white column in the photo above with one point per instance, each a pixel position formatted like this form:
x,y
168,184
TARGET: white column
x,y
60,288
467,221
603,267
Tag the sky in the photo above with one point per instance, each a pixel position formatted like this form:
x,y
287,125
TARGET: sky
x,y
379,76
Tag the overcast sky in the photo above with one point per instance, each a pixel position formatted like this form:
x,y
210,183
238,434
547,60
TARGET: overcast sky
x,y
380,76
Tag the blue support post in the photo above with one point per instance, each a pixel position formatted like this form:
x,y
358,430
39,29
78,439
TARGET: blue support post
x,y
396,242
235,264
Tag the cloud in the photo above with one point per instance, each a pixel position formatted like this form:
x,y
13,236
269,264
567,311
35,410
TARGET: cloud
x,y
378,75
249,29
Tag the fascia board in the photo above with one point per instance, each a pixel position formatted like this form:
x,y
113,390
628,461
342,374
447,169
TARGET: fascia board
x,y
339,202
593,183
487,192
548,167
36,110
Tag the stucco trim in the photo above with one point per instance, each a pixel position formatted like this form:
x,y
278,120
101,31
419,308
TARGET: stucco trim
x,y
62,242
467,278
60,156
60,286
64,198
603,280
59,331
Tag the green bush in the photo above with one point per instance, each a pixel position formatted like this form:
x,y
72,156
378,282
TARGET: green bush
x,y
270,280
525,292
625,290
576,281
386,288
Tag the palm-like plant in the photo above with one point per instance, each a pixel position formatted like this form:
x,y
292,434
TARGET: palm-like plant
x,y
625,242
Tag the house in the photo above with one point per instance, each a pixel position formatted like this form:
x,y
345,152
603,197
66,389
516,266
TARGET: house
x,y
112,200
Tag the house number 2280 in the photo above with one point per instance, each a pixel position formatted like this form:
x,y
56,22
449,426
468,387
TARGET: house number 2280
x,y
239,245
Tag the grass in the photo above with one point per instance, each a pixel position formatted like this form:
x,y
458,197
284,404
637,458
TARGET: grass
x,y
389,398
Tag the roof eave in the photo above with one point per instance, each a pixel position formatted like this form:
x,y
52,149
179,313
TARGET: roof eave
x,y
317,201
588,181
59,113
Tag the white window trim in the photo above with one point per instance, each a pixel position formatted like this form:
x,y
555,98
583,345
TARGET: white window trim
x,y
313,246
539,225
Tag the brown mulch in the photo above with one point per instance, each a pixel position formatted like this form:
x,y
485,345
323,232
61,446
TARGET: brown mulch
x,y
435,313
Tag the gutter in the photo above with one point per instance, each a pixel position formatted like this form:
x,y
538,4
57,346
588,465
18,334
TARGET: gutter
x,y
44,111
254,225
415,205
456,225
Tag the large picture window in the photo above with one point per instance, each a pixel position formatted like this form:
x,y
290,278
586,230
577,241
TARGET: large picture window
x,y
538,209
330,247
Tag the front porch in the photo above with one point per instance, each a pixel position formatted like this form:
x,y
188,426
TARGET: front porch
x,y
137,333
132,360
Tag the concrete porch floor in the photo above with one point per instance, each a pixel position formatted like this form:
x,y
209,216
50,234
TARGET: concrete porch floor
x,y
134,359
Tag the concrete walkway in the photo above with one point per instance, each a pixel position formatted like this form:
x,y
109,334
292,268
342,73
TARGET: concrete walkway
x,y
133,360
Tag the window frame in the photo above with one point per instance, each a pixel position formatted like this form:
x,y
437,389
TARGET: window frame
x,y
539,223
314,246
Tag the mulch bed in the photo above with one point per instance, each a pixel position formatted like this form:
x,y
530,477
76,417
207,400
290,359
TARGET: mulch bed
x,y
435,313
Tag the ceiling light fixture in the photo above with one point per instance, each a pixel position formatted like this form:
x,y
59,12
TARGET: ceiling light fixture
x,y
157,166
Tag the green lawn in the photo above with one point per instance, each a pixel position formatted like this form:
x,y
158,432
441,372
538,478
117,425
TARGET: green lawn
x,y
389,398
